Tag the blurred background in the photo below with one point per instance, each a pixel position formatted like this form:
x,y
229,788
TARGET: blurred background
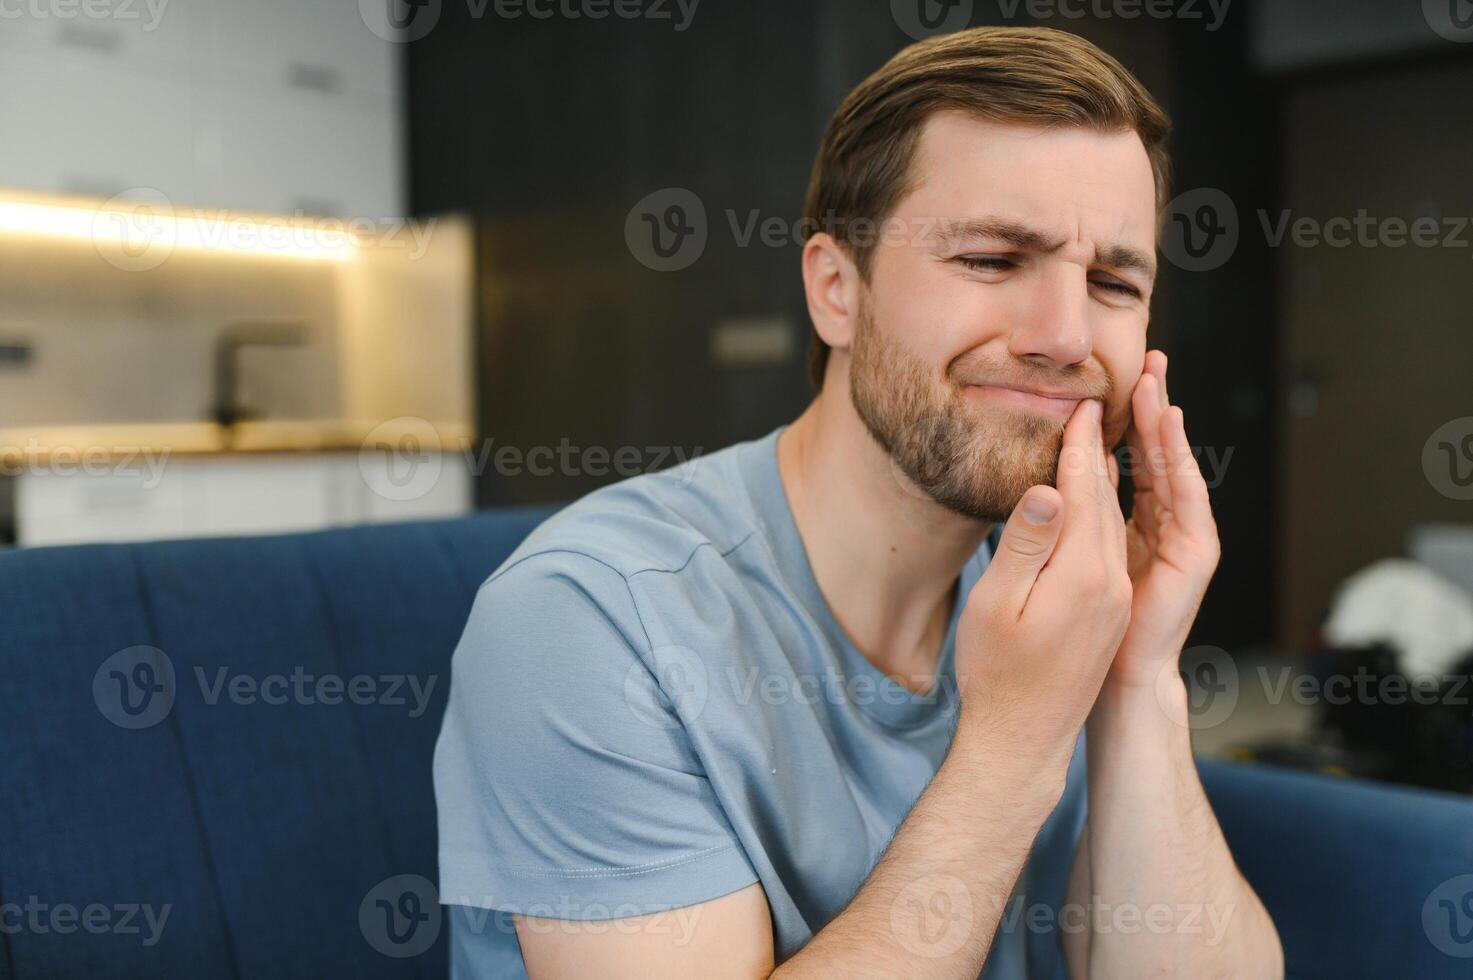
x,y
273,266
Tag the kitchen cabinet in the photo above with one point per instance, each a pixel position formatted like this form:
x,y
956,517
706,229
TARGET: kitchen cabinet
x,y
256,105
207,495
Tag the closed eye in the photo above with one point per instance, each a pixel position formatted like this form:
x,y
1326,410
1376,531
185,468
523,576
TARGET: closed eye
x,y
987,263
1114,286
998,263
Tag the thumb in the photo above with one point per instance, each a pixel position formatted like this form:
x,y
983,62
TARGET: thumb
x,y
1026,545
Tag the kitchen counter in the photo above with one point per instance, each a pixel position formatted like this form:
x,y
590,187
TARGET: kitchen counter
x,y
24,448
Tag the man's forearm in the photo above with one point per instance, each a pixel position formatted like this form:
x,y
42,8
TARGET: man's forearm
x,y
1167,898
932,904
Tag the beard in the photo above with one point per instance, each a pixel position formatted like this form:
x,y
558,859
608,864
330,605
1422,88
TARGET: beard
x,y
975,461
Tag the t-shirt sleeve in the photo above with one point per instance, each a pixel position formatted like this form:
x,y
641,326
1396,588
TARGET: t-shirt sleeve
x,y
566,785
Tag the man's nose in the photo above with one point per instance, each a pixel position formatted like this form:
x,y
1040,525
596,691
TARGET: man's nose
x,y
1054,320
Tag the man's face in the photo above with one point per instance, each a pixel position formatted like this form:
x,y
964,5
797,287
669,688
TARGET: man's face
x,y
1022,258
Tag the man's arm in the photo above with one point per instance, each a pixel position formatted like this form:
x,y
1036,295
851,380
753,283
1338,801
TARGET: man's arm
x,y
1154,869
1167,898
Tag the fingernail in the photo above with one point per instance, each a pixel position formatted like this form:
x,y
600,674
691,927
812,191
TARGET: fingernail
x,y
1039,510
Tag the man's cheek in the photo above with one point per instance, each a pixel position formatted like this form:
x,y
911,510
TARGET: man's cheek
x,y
1117,424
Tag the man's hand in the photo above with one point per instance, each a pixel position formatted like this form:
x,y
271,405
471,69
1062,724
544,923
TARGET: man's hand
x,y
1172,547
1042,624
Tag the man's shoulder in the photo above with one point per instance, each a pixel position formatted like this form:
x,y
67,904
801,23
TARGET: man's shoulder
x,y
649,522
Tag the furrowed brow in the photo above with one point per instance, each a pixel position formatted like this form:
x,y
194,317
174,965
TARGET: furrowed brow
x,y
1127,258
955,234
1014,233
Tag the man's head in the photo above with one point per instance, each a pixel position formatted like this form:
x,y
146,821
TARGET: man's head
x,y
982,216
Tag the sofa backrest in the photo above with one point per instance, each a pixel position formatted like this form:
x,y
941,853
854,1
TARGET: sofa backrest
x,y
260,801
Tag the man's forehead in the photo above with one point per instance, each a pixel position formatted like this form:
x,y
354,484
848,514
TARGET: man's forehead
x,y
1054,177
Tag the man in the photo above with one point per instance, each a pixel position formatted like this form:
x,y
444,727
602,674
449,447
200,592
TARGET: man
x,y
804,707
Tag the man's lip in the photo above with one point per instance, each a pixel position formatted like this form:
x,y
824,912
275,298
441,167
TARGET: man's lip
x,y
1069,396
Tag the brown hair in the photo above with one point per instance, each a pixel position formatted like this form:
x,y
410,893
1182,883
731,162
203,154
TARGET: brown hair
x,y
1030,74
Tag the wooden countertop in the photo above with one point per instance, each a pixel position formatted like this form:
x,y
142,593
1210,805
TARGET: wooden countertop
x,y
20,446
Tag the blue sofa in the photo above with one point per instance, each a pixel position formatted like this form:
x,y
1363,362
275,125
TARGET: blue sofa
x,y
293,836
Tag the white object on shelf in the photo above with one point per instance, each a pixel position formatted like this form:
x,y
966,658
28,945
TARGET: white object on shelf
x,y
1447,549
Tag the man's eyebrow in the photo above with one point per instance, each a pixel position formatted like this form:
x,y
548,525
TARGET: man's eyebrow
x,y
1015,233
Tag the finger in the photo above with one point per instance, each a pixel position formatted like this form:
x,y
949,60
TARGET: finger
x,y
1192,508
1111,517
1028,541
1078,485
1146,403
1161,377
1114,466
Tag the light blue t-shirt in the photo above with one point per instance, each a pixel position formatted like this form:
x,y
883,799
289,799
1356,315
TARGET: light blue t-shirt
x,y
652,705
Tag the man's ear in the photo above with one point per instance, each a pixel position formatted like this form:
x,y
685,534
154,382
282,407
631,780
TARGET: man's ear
x,y
833,286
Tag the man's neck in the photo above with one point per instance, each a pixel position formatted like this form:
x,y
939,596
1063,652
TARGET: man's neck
x,y
886,556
